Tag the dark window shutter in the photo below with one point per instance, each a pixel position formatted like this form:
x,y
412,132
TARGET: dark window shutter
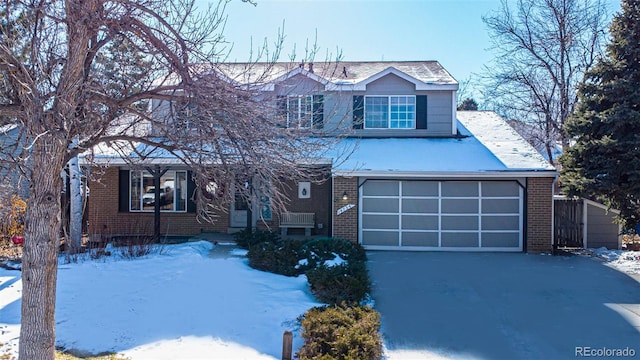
x,y
191,193
358,111
123,191
318,111
421,111
282,110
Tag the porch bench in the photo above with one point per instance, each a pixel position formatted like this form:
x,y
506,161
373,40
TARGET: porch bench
x,y
297,220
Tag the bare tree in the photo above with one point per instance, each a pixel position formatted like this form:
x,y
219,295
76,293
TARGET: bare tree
x,y
79,73
543,48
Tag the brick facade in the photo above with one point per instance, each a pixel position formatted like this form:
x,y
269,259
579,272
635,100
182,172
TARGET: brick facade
x,y
318,203
539,215
104,217
345,225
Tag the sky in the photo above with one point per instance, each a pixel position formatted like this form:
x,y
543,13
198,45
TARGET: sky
x,y
449,31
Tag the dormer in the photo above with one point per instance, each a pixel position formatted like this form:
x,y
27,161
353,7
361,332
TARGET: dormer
x,y
409,103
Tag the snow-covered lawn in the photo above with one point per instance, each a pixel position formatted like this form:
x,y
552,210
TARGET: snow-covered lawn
x,y
176,304
181,303
625,261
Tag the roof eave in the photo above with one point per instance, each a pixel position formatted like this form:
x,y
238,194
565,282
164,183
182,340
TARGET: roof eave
x,y
446,174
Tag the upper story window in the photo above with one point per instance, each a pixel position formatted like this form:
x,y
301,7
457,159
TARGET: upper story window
x,y
184,114
302,111
390,112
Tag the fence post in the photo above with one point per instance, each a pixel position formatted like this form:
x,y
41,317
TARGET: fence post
x,y
287,345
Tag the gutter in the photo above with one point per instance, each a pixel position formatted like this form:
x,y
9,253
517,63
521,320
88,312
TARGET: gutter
x,y
391,174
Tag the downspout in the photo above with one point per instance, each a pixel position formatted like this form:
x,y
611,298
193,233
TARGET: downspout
x,y
331,205
525,198
585,227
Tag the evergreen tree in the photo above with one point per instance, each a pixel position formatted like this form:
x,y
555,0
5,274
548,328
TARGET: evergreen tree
x,y
604,162
468,104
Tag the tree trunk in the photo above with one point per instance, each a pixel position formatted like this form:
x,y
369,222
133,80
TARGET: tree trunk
x,y
74,242
40,256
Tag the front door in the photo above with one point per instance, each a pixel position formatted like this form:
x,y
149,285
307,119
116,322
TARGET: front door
x,y
239,209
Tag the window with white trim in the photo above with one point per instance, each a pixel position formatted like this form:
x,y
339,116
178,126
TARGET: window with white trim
x,y
390,112
300,111
173,191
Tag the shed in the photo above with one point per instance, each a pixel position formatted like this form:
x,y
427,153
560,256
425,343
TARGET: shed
x,y
583,223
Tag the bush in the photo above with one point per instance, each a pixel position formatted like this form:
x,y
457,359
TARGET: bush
x,y
341,332
279,257
320,250
12,216
247,238
347,283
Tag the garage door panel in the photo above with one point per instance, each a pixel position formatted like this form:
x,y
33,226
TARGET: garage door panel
x,y
460,206
500,223
420,206
380,221
500,188
381,188
459,223
380,205
420,239
458,239
469,215
490,239
419,222
420,188
380,238
500,206
459,188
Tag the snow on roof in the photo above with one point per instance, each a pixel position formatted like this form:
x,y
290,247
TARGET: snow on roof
x,y
501,139
351,72
7,128
486,145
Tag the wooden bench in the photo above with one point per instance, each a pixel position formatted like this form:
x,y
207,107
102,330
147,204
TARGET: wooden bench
x,y
297,220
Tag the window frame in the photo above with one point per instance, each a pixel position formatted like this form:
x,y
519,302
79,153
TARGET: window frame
x,y
140,174
389,112
308,111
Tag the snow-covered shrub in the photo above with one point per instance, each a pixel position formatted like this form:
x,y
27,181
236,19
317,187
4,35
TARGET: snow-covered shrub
x,y
345,283
281,257
319,251
341,332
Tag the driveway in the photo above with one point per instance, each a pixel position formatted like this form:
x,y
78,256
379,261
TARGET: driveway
x,y
502,306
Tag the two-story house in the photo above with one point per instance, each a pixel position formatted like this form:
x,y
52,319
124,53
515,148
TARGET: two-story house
x,y
419,176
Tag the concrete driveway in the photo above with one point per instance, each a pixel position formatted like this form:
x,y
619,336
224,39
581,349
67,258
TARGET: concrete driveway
x,y
503,306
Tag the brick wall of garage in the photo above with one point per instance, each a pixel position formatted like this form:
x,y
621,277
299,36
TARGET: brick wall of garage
x,y
539,215
345,225
104,218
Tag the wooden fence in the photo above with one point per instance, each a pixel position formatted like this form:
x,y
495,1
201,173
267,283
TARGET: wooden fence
x,y
568,223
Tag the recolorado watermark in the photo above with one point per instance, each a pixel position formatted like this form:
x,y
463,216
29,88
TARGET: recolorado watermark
x,y
587,351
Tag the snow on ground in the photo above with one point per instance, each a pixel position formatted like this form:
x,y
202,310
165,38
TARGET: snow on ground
x,y
177,303
180,302
625,261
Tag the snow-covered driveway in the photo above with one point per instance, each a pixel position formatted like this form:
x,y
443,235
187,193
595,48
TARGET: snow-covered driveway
x,y
499,306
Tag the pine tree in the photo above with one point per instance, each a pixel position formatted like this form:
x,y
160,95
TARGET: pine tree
x,y
604,162
468,104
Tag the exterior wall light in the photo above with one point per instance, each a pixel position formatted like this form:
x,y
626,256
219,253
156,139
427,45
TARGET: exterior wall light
x,y
345,196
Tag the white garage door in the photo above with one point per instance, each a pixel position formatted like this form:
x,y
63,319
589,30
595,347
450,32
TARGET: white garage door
x,y
441,215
